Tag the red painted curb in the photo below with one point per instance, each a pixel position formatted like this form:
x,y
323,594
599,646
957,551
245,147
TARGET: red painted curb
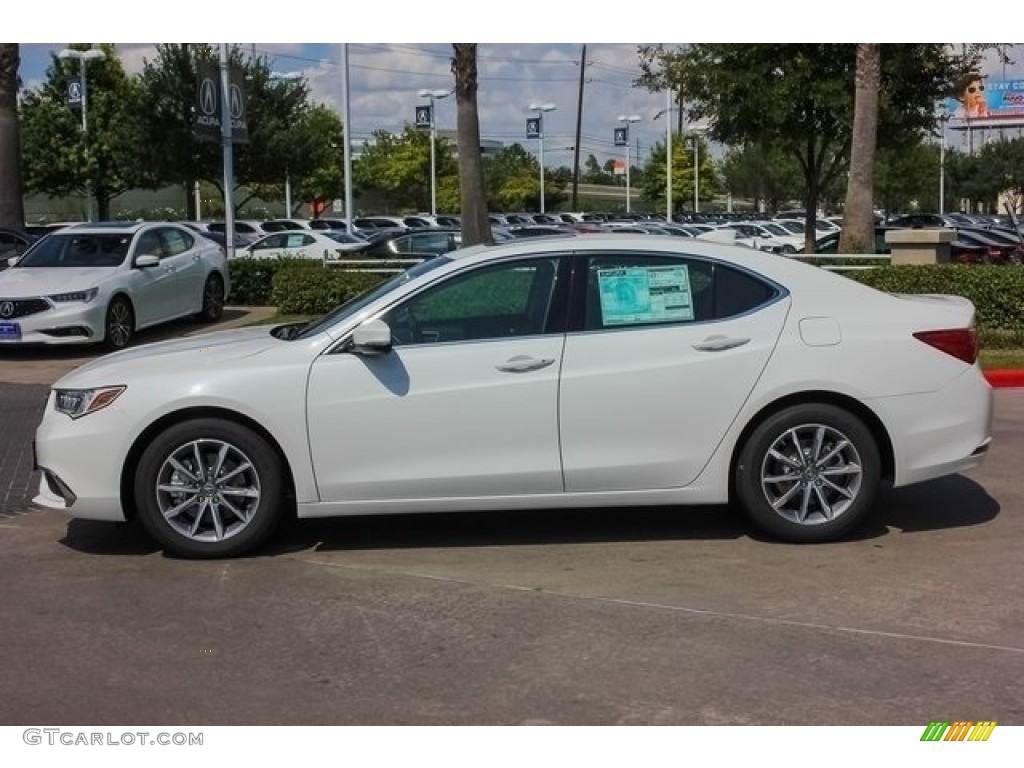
x,y
1005,378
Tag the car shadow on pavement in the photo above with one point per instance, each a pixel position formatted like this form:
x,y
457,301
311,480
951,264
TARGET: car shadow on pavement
x,y
170,330
950,502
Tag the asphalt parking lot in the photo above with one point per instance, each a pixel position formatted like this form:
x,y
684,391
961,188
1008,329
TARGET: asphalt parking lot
x,y
672,616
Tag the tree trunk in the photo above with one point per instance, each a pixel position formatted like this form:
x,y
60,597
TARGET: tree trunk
x,y
476,227
12,206
858,235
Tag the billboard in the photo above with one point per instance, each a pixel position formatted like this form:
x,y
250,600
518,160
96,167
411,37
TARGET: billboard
x,y
981,103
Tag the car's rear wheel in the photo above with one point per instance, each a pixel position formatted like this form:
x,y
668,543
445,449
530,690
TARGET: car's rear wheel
x,y
209,488
119,326
213,300
809,473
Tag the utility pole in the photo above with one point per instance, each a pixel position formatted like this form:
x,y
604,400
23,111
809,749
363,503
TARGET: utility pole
x,y
579,127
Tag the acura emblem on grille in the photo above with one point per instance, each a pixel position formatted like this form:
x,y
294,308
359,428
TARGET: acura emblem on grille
x,y
7,309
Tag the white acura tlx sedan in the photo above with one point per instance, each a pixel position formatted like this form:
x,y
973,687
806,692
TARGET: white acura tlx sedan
x,y
605,370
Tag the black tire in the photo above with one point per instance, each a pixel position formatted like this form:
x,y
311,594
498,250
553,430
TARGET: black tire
x,y
788,249
207,519
213,300
119,325
817,493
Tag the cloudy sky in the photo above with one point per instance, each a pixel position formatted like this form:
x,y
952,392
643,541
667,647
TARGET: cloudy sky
x,y
385,76
384,79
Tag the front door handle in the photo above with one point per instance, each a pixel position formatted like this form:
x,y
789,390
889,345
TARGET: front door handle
x,y
524,363
719,343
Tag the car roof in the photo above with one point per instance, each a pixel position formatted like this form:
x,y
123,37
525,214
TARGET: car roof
x,y
114,226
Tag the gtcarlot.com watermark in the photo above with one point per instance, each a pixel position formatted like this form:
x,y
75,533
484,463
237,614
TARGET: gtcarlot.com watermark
x,y
54,737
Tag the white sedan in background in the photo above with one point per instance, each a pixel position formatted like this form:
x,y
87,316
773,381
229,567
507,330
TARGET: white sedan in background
x,y
103,282
591,371
323,245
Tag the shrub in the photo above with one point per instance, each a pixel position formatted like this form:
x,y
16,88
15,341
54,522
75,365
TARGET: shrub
x,y
251,281
310,288
997,292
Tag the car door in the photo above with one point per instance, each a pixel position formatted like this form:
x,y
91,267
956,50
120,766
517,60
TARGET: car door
x,y
154,290
183,252
660,358
465,405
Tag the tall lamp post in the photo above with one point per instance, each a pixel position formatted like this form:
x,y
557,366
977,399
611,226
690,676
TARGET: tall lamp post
x,y
289,76
626,120
943,119
84,57
433,95
540,109
695,136
667,112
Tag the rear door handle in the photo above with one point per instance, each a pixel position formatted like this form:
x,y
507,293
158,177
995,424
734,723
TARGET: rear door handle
x,y
524,363
719,343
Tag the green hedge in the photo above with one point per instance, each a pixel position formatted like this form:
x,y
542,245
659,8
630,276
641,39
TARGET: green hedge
x,y
997,292
310,288
294,286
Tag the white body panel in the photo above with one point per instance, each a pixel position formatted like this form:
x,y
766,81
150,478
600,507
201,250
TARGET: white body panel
x,y
627,416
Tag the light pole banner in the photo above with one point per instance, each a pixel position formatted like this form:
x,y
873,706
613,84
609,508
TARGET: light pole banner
x,y
622,137
533,127
207,108
423,116
74,95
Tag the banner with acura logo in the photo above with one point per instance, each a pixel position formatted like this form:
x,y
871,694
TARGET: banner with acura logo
x,y
207,112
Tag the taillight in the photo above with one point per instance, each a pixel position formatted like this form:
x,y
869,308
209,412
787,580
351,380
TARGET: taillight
x,y
961,343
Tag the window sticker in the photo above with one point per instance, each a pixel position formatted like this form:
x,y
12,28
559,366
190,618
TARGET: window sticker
x,y
645,295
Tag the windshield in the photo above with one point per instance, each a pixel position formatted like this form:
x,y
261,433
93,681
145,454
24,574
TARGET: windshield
x,y
106,249
775,229
351,307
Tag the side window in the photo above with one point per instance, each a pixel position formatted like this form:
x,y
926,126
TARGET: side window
x,y
297,240
430,242
402,244
149,244
270,241
648,290
175,241
504,300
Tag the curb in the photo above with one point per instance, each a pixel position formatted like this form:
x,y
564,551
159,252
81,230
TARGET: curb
x,y
1006,378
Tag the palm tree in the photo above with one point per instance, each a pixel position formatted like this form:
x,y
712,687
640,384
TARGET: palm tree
x,y
12,207
476,227
858,234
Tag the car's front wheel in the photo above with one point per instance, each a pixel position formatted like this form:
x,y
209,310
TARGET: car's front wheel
x,y
119,325
213,300
809,473
209,488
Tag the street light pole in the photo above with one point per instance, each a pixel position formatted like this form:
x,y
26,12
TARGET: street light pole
x,y
540,109
667,112
426,93
627,119
943,119
84,57
292,76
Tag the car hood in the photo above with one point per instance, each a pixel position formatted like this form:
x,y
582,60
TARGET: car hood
x,y
45,281
206,350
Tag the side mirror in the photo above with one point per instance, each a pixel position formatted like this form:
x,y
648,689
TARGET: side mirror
x,y
372,338
13,260
147,260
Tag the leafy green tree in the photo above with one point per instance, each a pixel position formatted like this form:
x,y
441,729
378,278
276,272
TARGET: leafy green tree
x,y
653,177
1002,163
281,125
799,98
593,173
907,178
764,175
395,168
12,210
58,159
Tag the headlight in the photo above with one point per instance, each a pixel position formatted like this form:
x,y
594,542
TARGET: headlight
x,y
81,402
83,296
